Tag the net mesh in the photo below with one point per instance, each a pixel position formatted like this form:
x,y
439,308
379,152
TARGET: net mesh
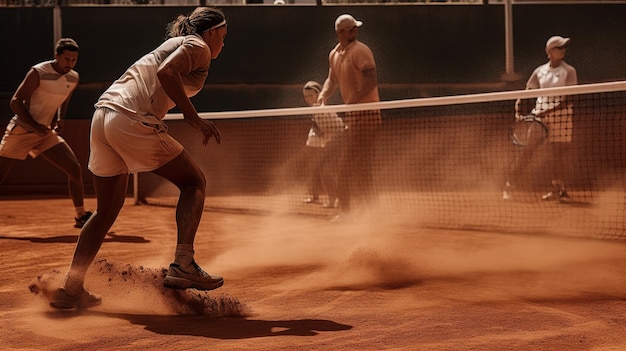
x,y
443,162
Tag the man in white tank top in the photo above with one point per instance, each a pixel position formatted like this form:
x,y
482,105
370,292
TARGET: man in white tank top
x,y
40,104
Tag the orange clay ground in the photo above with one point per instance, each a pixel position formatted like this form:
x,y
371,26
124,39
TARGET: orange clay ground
x,y
304,283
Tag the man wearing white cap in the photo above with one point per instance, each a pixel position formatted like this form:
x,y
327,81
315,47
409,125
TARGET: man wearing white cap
x,y
352,69
555,111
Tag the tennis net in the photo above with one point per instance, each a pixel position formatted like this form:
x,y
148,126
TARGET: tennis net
x,y
441,162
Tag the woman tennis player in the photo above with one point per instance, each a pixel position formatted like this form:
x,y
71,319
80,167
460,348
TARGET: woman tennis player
x,y
128,136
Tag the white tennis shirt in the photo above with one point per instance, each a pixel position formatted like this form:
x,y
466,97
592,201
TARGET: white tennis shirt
x,y
138,92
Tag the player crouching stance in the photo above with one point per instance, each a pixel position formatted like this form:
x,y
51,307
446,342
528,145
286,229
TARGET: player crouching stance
x,y
40,104
128,136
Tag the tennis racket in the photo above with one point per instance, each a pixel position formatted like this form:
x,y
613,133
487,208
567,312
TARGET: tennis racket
x,y
529,131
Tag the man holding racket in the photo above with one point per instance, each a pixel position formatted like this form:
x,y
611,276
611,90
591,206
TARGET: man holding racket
x,y
555,112
352,69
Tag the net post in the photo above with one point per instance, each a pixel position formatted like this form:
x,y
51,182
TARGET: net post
x,y
509,76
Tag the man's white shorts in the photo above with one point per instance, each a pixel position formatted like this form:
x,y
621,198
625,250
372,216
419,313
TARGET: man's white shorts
x,y
121,145
17,142
560,125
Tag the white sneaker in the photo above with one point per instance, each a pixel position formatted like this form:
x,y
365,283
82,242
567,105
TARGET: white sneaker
x,y
192,277
331,203
506,195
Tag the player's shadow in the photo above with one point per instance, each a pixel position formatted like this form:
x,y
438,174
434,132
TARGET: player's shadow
x,y
70,239
225,328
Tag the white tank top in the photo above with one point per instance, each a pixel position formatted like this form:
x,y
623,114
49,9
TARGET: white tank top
x,y
138,92
54,88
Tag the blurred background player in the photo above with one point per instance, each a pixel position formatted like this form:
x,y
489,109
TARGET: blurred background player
x,y
128,136
556,113
352,69
40,104
324,148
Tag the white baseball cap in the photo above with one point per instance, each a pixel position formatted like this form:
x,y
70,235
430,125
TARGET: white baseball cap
x,y
556,41
346,21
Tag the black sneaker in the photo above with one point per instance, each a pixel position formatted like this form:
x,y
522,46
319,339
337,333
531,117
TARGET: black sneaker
x,y
80,222
193,277
64,301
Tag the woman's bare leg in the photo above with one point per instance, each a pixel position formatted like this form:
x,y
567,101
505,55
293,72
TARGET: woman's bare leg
x,y
110,193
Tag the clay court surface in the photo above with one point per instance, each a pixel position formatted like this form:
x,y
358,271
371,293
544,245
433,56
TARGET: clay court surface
x,y
304,283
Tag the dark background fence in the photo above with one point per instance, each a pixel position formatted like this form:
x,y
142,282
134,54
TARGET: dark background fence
x,y
267,47
421,50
